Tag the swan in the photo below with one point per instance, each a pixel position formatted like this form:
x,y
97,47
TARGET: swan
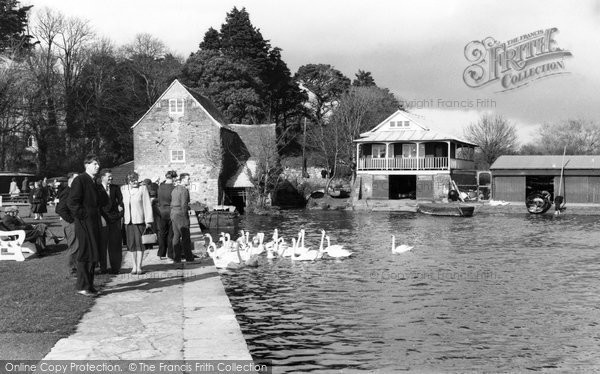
x,y
226,262
305,255
336,250
283,249
401,248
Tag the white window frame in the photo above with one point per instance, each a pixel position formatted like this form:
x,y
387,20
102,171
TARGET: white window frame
x,y
381,148
177,159
176,106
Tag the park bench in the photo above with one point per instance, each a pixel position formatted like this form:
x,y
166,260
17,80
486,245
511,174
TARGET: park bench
x,y
11,245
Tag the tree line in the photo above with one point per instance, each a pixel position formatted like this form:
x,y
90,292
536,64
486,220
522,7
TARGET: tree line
x,y
67,91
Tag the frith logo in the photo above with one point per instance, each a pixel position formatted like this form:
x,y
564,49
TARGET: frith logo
x,y
514,63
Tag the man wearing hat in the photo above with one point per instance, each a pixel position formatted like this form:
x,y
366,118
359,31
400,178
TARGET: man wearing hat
x,y
33,233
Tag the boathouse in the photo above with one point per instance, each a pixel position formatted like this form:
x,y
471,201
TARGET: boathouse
x,y
184,131
516,177
401,158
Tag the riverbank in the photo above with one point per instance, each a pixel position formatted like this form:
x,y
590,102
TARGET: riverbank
x,y
173,311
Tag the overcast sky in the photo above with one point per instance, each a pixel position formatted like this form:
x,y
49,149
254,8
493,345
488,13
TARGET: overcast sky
x,y
414,48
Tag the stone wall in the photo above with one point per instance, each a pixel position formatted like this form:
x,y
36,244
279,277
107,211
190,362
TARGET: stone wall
x,y
193,132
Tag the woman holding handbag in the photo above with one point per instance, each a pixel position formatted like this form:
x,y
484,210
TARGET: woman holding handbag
x,y
137,218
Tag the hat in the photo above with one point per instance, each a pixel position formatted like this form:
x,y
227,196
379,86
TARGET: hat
x,y
12,208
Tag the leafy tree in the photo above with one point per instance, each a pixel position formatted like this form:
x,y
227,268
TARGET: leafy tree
x,y
363,79
325,86
581,137
13,27
494,135
212,41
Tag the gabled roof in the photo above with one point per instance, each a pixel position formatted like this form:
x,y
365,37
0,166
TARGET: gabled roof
x,y
256,137
547,162
210,109
417,131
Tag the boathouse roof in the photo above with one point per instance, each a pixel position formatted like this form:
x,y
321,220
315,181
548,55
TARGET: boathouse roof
x,y
402,126
546,162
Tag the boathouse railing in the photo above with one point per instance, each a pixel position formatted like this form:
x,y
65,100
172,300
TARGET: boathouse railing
x,y
412,163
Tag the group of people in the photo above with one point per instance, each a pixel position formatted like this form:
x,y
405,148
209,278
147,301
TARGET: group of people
x,y
39,193
94,213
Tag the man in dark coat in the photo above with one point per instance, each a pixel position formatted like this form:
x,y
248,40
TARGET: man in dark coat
x,y
84,203
110,232
68,223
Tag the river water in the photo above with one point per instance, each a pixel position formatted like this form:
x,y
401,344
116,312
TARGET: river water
x,y
495,292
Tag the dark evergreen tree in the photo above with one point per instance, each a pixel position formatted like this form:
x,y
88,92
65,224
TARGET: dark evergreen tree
x,y
363,79
212,41
13,27
246,78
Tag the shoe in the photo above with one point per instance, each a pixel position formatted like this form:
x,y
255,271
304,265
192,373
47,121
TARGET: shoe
x,y
140,272
169,261
57,239
87,293
94,291
189,260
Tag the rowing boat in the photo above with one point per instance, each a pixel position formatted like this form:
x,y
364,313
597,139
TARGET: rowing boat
x,y
446,209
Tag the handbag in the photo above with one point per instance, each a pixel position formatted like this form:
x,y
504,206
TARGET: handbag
x,y
149,236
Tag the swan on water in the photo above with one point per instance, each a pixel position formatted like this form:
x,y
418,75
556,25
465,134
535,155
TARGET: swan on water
x,y
401,248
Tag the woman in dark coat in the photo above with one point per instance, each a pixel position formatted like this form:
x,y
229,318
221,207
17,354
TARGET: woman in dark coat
x,y
38,201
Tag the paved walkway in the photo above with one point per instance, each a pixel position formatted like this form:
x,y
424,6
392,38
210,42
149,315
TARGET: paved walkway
x,y
173,312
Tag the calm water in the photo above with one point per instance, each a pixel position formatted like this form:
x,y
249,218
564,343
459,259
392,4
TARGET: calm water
x,y
490,293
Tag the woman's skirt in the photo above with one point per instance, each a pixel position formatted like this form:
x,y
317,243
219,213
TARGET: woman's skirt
x,y
134,232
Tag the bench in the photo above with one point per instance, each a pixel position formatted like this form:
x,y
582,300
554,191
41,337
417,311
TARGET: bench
x,y
11,245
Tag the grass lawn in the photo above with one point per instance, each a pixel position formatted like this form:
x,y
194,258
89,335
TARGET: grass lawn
x,y
38,305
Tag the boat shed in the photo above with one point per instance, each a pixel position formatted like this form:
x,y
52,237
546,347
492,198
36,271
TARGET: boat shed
x,y
516,177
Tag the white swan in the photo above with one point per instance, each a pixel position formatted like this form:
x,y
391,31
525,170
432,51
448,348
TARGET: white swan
x,y
336,250
303,253
401,248
226,262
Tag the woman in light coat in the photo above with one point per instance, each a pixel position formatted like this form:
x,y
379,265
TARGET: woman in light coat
x,y
137,217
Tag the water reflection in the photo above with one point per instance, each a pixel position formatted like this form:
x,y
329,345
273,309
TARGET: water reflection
x,y
494,292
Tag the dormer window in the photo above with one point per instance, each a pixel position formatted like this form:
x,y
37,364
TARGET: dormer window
x,y
176,106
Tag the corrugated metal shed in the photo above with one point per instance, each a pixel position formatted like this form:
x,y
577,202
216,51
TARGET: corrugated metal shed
x,y
546,162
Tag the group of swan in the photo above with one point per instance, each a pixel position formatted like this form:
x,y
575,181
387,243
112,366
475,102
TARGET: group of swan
x,y
243,252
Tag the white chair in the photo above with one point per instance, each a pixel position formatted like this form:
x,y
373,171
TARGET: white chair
x,y
11,245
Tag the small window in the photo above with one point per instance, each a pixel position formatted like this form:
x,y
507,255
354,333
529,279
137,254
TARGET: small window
x,y
176,106
406,123
392,123
178,155
30,141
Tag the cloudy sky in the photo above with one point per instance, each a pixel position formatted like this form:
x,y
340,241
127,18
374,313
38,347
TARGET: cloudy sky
x,y
414,48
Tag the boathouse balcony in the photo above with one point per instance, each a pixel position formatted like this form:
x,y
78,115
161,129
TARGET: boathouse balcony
x,y
414,156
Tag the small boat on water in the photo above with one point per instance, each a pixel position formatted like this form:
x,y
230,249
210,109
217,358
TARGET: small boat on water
x,y
446,209
221,216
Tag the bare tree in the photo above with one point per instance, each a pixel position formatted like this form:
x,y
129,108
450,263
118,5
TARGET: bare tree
x,y
581,137
152,64
494,135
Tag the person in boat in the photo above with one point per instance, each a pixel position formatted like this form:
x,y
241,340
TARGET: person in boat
x,y
559,204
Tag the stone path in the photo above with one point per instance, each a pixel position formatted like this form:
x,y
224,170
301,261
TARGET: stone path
x,y
173,312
